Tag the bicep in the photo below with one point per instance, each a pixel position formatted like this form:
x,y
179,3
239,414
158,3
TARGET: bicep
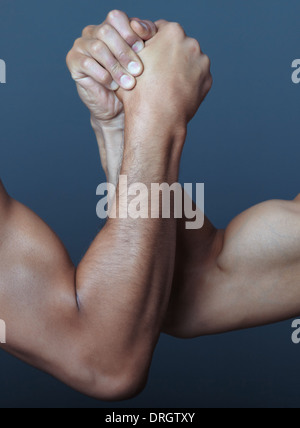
x,y
256,280
254,277
262,238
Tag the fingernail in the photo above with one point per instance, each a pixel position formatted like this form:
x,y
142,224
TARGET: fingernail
x,y
114,86
134,68
127,82
144,25
138,47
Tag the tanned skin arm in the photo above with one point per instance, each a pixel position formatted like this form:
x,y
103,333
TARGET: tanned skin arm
x,y
96,327
245,276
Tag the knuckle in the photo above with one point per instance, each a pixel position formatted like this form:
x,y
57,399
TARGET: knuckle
x,y
208,85
106,78
207,62
87,30
161,22
176,28
69,58
123,56
85,62
77,42
175,25
96,47
114,14
115,68
104,31
195,46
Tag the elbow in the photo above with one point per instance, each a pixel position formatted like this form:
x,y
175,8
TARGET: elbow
x,y
110,384
118,387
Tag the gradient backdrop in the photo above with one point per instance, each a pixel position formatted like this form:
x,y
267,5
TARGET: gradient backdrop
x,y
244,144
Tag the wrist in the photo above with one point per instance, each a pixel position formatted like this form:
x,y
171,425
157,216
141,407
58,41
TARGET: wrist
x,y
155,149
102,126
162,122
155,126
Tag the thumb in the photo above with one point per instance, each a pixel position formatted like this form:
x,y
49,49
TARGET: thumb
x,y
143,28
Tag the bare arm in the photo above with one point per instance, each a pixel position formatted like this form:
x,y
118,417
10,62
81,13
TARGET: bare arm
x,y
64,320
207,296
95,327
244,277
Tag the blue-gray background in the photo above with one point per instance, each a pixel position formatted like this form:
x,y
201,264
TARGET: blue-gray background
x,y
244,144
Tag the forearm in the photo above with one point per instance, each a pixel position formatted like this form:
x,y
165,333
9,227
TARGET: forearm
x,y
96,333
127,274
193,247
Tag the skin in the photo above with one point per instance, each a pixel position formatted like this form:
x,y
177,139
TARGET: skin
x,y
241,277
94,82
95,327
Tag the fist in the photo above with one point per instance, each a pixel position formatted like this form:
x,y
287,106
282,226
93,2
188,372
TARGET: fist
x,y
176,79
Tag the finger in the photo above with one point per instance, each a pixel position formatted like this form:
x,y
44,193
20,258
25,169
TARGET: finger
x,y
103,55
145,29
88,31
82,66
161,23
128,59
120,21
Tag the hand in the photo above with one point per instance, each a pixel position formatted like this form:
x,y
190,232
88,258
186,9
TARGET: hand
x,y
105,58
176,80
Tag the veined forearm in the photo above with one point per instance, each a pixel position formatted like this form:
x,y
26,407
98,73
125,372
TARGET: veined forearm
x,y
111,147
102,343
132,260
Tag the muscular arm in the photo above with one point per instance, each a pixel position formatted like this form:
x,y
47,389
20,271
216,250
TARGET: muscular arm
x,y
95,328
243,277
224,280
